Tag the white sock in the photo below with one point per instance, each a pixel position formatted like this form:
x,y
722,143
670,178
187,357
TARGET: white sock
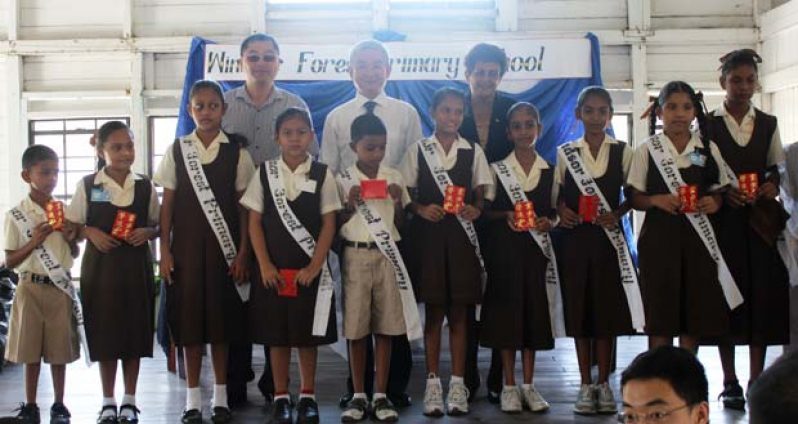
x,y
455,379
311,396
219,396
193,398
107,401
527,386
282,396
129,400
359,396
379,396
433,379
506,387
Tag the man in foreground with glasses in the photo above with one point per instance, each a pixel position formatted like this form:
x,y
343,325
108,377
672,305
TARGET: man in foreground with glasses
x,y
665,385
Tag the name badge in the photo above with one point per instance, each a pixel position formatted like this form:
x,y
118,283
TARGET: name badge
x,y
308,186
98,194
697,159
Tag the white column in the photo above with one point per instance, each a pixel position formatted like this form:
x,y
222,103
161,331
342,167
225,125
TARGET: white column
x,y
138,121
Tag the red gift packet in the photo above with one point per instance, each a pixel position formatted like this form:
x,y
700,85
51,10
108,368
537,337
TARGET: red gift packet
x,y
124,223
524,215
374,189
588,208
749,184
689,197
55,214
454,200
288,288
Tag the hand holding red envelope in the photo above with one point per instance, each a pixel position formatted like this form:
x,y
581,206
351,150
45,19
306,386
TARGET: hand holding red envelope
x,y
749,184
55,215
524,215
373,189
288,288
454,200
588,208
689,196
124,223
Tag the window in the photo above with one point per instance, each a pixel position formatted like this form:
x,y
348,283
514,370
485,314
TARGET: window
x,y
622,127
162,135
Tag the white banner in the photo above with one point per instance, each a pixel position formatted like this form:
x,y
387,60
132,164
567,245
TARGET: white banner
x,y
527,60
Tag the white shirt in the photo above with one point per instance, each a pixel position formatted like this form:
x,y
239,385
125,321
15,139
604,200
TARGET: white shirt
x,y
596,167
356,229
480,171
742,133
295,182
120,196
166,175
401,122
529,181
638,172
55,241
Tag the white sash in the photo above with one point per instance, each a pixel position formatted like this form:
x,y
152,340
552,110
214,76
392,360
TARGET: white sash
x,y
700,222
588,187
382,236
321,313
210,207
553,293
57,274
443,180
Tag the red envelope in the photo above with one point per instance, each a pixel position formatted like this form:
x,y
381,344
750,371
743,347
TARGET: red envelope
x,y
689,197
288,289
454,200
749,184
55,214
374,189
524,215
124,223
588,207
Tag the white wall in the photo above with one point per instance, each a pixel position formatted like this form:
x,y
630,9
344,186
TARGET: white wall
x,y
780,66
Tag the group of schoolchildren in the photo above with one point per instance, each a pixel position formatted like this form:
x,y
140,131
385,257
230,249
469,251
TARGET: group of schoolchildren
x,y
549,272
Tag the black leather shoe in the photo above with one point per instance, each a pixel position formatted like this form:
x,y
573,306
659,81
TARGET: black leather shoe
x,y
400,400
281,412
191,416
732,396
108,418
221,415
345,399
307,411
59,414
132,417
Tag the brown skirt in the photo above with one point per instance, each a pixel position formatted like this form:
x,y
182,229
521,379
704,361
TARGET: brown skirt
x,y
442,262
515,313
118,297
679,280
593,299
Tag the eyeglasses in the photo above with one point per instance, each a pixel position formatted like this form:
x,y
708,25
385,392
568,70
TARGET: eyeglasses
x,y
268,58
651,417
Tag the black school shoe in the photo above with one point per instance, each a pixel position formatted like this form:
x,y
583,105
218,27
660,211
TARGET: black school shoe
x,y
59,414
732,396
307,411
108,419
28,413
221,415
400,400
281,412
132,417
191,416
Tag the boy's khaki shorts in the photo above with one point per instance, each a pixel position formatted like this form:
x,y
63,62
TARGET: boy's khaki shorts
x,y
372,303
42,326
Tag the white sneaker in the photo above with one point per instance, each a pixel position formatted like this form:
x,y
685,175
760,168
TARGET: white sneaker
x,y
433,397
533,400
511,400
457,399
586,401
606,400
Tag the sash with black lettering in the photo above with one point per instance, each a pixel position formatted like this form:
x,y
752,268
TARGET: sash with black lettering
x,y
443,180
700,222
382,236
321,312
210,207
553,293
588,187
57,274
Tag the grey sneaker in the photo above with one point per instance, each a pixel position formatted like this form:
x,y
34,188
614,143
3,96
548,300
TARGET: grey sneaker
x,y
606,400
511,400
457,399
586,401
533,400
383,411
433,398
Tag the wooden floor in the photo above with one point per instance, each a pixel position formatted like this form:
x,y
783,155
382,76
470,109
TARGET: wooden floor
x,y
161,395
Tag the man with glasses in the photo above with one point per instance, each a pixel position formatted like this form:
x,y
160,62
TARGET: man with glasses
x,y
252,111
665,385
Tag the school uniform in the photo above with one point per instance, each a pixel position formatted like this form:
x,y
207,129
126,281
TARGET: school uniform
x,y
515,313
754,146
203,305
678,277
594,301
311,192
441,260
41,326
117,288
372,302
